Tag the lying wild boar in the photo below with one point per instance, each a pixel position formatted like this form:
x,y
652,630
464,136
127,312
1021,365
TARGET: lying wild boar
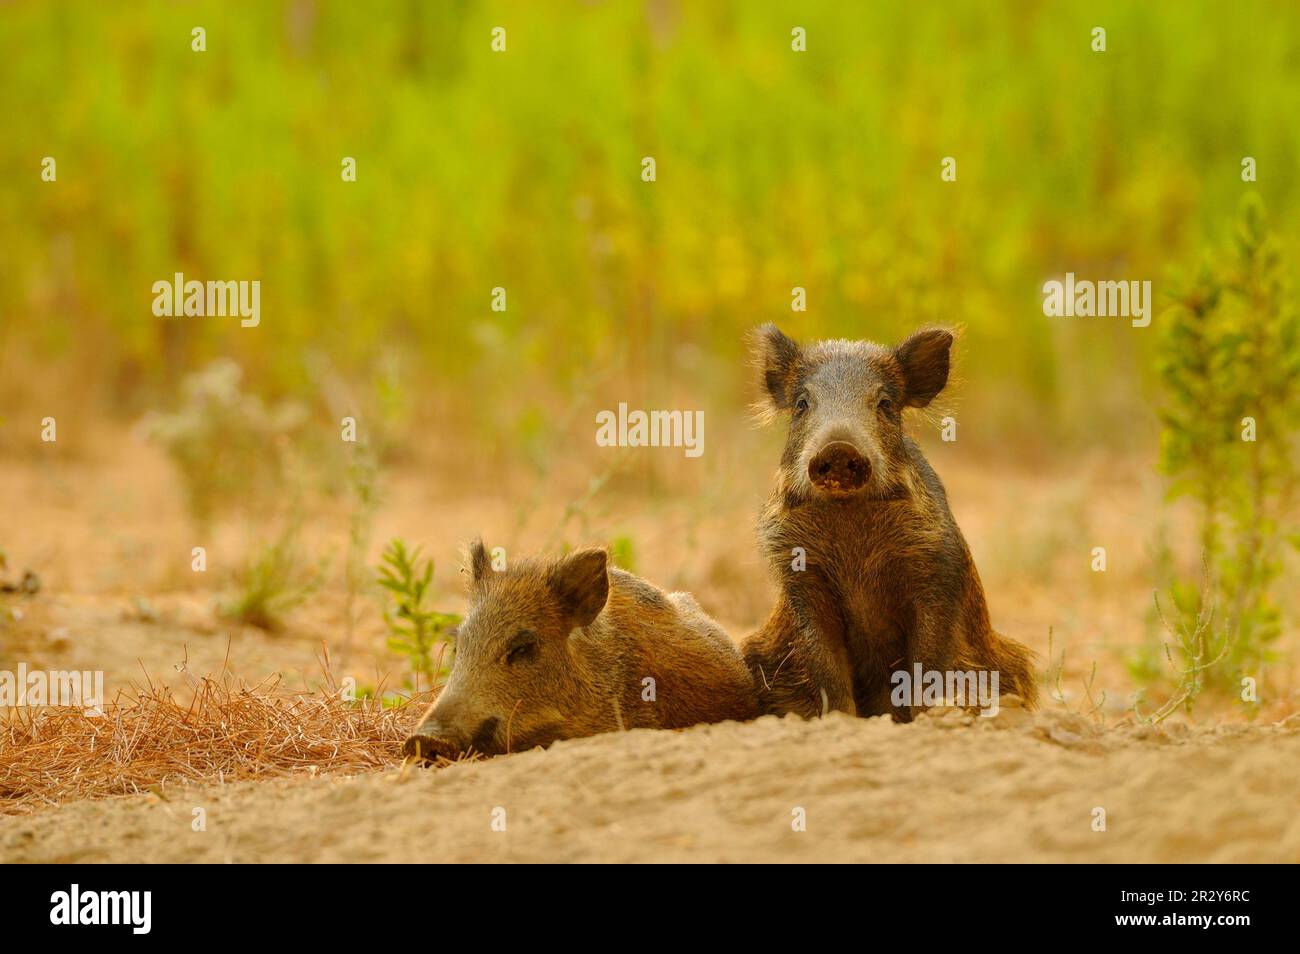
x,y
886,581
572,647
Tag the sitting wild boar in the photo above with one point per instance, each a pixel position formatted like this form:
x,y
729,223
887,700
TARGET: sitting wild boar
x,y
882,581
572,647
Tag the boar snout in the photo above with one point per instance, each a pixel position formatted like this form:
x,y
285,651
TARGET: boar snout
x,y
427,745
438,734
438,738
839,469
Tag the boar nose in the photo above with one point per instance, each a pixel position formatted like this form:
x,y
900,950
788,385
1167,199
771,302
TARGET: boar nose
x,y
839,468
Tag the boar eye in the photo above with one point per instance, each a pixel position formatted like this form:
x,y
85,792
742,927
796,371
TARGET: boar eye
x,y
885,405
522,649
801,405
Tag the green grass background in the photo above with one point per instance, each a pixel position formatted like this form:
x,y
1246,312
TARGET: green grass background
x,y
522,170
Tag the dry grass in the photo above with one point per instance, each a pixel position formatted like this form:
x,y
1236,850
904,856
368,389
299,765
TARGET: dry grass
x,y
228,731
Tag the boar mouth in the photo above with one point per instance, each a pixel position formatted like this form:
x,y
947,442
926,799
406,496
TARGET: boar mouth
x,y
839,470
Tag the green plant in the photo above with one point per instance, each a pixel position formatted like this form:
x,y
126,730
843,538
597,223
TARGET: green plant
x,y
1199,648
414,630
1052,678
1230,365
274,581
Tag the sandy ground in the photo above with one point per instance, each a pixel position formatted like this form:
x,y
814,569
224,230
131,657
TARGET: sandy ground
x,y
949,788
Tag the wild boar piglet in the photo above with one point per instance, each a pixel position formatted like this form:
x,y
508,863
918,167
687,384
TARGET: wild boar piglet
x,y
559,649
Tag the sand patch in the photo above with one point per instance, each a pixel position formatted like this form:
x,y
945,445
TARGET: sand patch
x,y
946,788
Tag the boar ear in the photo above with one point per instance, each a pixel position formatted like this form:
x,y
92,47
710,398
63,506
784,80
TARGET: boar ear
x,y
924,359
479,565
777,358
581,583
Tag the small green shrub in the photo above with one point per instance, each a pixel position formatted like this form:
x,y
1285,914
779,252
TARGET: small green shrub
x,y
414,629
1201,646
1230,365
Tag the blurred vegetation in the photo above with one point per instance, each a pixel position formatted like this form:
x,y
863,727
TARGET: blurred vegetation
x,y
229,449
1229,358
521,170
276,577
622,553
364,497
